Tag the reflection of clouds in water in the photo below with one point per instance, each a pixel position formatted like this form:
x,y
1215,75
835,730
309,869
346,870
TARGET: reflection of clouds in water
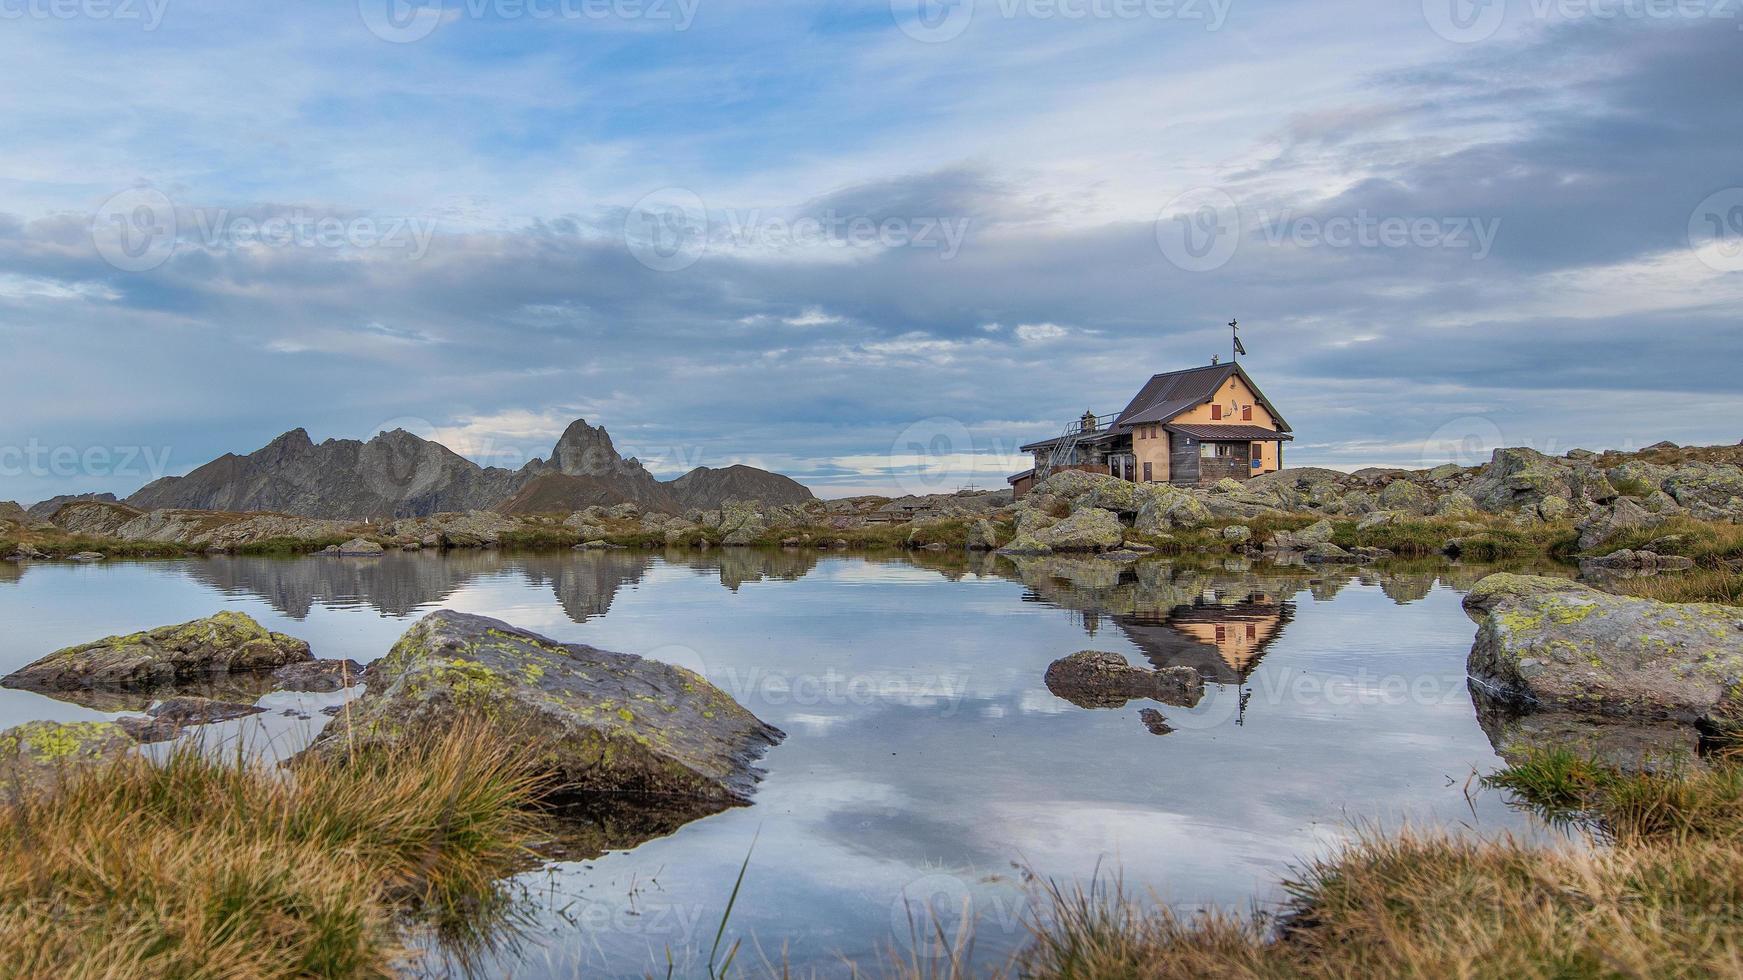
x,y
878,787
1040,701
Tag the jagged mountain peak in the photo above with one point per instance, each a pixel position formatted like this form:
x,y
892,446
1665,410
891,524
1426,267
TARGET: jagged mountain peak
x,y
399,473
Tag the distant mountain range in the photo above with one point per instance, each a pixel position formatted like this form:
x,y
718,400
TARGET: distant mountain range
x,y
398,474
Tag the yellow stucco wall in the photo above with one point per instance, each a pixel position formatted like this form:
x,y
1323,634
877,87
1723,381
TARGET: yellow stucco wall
x,y
1233,397
1151,450
1235,394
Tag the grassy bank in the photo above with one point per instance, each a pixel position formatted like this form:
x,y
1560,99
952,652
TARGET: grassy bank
x,y
207,868
1716,549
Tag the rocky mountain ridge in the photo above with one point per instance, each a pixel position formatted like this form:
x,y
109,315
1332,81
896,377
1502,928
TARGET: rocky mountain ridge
x,y
399,474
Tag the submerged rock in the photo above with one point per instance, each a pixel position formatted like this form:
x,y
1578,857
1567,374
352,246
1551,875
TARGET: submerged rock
x,y
226,643
1560,644
38,752
166,720
1627,744
1099,679
359,548
602,722
319,675
1154,722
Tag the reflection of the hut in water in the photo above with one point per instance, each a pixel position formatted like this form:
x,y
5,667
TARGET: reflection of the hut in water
x,y
1221,639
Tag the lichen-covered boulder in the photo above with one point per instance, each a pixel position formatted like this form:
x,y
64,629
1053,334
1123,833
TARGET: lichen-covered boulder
x,y
1406,496
600,722
1089,529
1318,533
1455,504
1518,477
1561,644
1100,679
37,753
1117,495
360,548
1606,522
1068,485
227,643
1169,508
982,536
1327,553
741,523
1708,491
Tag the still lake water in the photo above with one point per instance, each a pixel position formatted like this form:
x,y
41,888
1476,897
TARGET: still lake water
x,y
926,763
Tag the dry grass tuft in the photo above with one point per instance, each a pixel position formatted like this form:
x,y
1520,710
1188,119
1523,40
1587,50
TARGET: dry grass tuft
x,y
1661,896
197,867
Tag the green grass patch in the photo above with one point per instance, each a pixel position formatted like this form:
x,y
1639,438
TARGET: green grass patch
x,y
1707,542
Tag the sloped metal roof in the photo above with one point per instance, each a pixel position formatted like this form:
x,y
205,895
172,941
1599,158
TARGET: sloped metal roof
x,y
1166,395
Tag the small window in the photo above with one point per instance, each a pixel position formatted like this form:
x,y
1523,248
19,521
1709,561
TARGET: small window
x,y
1222,633
1252,632
1216,413
1246,413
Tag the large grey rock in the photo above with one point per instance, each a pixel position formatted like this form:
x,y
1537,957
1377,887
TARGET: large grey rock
x,y
1564,645
1515,478
361,548
1456,504
1068,485
601,722
1605,522
982,536
1088,529
228,642
1169,508
1119,496
1406,496
1318,533
1100,679
1710,492
741,522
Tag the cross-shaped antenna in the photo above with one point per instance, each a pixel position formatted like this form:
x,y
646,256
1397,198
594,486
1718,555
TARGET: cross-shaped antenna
x,y
1235,334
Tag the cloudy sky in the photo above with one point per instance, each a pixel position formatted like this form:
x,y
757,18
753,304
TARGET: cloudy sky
x,y
874,244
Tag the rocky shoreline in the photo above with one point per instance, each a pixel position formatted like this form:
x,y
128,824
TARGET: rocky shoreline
x,y
1579,501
